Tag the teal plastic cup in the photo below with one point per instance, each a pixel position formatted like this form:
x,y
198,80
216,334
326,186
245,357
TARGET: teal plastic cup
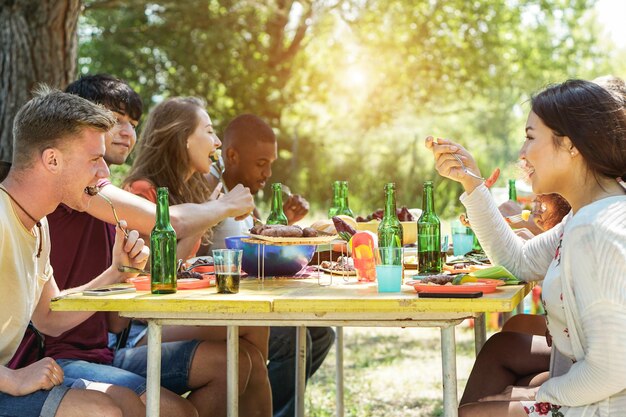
x,y
389,270
462,239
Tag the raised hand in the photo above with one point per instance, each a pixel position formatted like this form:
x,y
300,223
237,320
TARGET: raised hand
x,y
129,250
448,166
41,375
238,202
295,208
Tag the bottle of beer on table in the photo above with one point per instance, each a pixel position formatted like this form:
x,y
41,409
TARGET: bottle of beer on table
x,y
429,235
277,215
512,191
390,228
163,248
345,205
336,204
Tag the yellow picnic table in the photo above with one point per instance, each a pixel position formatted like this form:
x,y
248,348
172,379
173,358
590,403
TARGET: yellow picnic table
x,y
300,303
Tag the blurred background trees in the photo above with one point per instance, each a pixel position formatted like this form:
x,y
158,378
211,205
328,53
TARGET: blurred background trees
x,y
353,87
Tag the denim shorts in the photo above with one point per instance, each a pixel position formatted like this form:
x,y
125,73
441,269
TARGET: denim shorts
x,y
38,404
75,369
129,367
137,331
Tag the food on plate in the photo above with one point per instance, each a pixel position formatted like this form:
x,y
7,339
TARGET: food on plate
x,y
310,232
276,230
203,261
325,226
188,274
404,215
343,264
463,267
344,230
463,278
441,279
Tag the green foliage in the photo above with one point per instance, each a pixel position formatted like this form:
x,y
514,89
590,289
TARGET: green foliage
x,y
353,87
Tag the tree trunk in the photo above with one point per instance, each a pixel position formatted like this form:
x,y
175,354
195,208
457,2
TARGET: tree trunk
x,y
38,44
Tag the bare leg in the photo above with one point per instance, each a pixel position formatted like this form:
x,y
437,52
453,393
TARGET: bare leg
x,y
495,408
526,323
173,405
124,398
506,358
80,403
257,336
207,378
533,380
256,401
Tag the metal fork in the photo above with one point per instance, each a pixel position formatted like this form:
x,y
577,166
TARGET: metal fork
x,y
464,168
286,190
117,219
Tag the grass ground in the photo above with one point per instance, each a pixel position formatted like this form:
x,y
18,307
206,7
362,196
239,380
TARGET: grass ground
x,y
389,372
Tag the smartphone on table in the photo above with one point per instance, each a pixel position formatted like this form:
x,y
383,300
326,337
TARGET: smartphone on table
x,y
109,290
476,294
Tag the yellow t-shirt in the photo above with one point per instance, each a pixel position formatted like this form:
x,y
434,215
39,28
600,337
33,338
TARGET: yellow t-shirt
x,y
22,275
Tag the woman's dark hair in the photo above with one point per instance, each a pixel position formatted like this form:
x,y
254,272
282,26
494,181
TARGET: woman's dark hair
x,y
592,118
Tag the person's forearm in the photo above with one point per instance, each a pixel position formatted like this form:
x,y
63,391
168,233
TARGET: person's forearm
x,y
527,260
140,214
6,380
54,323
194,219
185,247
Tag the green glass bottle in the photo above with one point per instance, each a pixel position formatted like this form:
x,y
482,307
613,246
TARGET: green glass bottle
x,y
345,205
277,215
163,248
390,228
429,235
512,191
336,205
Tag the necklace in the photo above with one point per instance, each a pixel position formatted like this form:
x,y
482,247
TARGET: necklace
x,y
37,222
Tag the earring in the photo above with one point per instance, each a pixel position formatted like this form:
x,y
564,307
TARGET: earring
x,y
572,153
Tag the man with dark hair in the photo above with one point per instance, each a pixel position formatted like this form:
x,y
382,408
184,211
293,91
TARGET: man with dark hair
x,y
249,148
58,154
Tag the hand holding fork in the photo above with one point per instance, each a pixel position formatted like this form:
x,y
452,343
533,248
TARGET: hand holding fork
x,y
449,148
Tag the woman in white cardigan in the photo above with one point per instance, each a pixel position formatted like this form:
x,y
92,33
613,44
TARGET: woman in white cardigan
x,y
575,146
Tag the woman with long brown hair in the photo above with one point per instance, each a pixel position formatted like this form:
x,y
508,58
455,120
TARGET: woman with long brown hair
x,y
174,151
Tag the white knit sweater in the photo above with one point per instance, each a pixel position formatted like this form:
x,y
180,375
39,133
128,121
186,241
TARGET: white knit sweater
x,y
592,273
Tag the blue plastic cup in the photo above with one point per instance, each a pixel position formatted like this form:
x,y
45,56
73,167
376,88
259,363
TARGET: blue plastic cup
x,y
462,239
389,271
389,278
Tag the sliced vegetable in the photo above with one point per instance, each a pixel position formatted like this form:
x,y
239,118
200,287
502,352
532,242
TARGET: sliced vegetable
x,y
463,278
344,230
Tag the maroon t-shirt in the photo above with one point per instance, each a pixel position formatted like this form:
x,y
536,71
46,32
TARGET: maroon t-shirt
x,y
81,250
